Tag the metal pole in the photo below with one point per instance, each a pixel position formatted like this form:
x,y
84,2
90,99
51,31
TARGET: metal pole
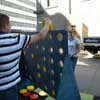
x,y
69,6
48,3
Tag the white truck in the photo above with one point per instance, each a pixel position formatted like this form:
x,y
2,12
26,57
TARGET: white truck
x,y
91,25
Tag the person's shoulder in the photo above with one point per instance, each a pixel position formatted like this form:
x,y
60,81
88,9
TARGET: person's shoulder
x,y
8,35
77,40
15,34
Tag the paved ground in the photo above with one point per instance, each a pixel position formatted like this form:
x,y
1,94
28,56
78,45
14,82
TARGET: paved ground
x,y
88,75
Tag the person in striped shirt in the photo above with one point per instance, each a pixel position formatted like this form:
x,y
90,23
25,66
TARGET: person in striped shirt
x,y
11,46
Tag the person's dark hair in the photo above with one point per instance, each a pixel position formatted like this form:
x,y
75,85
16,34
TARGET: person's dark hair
x,y
4,19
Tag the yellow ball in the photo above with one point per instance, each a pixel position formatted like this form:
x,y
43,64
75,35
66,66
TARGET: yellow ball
x,y
30,88
43,23
50,27
22,91
42,93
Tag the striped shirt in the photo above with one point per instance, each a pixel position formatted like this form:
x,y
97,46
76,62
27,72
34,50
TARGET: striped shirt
x,y
11,46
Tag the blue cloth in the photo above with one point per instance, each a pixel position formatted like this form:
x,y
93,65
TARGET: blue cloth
x,y
9,94
68,89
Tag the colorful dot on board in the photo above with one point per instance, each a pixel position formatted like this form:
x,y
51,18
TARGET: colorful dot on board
x,y
26,94
59,37
42,93
22,91
52,72
49,36
30,88
61,64
32,56
52,61
51,50
44,58
43,48
53,93
34,96
44,69
60,51
53,82
46,88
38,75
30,77
38,66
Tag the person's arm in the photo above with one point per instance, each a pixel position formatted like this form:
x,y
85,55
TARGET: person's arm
x,y
78,35
78,45
78,48
42,34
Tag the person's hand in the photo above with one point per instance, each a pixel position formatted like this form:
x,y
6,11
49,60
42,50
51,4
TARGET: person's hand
x,y
43,32
48,21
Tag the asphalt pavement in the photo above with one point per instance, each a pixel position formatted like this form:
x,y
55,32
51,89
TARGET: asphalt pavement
x,y
88,74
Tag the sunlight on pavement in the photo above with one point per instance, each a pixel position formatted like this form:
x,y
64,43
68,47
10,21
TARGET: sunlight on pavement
x,y
82,63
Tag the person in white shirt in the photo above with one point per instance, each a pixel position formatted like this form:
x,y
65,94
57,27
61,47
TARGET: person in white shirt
x,y
73,47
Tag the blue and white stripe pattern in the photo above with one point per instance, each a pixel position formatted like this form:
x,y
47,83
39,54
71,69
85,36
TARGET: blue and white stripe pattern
x,y
11,46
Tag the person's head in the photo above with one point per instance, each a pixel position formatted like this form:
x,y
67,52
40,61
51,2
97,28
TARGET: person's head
x,y
72,33
4,23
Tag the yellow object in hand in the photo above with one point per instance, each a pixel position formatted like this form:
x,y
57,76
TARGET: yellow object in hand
x,y
22,91
50,25
43,23
30,88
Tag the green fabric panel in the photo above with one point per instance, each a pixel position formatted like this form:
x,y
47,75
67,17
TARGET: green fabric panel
x,y
85,96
